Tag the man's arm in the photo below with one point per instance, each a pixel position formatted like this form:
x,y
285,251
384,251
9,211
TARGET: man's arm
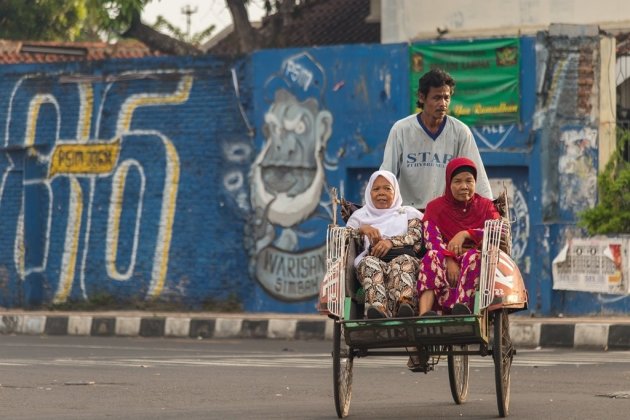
x,y
392,154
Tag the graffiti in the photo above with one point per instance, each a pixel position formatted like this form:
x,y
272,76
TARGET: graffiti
x,y
287,181
238,154
519,214
493,136
68,172
90,158
576,168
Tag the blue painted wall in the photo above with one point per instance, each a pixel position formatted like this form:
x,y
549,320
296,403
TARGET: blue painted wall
x,y
213,176
158,222
317,112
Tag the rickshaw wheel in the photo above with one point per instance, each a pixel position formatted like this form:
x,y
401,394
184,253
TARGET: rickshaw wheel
x,y
458,374
502,353
342,372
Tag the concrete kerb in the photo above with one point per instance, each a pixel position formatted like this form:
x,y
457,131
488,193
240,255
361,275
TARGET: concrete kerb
x,y
580,333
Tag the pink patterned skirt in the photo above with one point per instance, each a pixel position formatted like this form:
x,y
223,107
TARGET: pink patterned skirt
x,y
433,277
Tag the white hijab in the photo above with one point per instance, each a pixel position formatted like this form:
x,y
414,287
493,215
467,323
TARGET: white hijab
x,y
390,222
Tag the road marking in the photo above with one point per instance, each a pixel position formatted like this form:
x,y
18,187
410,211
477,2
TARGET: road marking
x,y
524,358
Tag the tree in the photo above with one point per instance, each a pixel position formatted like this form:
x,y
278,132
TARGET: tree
x,y
250,39
71,20
47,20
246,34
194,39
122,17
612,214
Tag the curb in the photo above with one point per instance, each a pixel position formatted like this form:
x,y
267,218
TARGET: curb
x,y
578,333
198,327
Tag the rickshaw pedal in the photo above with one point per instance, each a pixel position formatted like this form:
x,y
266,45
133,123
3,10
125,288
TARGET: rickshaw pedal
x,y
424,369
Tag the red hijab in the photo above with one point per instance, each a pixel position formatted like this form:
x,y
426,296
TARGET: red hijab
x,y
452,216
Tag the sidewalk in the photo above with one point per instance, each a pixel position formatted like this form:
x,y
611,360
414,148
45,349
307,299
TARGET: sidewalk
x,y
604,333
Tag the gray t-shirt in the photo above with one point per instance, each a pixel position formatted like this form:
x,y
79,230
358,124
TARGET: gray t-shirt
x,y
419,159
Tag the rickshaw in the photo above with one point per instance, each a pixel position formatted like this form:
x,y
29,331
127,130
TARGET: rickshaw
x,y
484,332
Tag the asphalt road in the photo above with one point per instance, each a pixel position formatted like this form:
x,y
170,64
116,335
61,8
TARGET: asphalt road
x,y
134,378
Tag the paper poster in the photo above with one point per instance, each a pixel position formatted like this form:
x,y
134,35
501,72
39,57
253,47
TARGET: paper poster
x,y
598,265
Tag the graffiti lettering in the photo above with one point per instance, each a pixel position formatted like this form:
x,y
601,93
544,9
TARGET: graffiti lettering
x,y
298,74
97,160
289,275
296,288
84,158
294,266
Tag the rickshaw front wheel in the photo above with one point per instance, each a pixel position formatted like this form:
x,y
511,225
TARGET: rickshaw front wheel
x,y
342,371
502,353
458,374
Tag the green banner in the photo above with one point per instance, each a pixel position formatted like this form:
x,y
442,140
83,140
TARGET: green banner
x,y
486,74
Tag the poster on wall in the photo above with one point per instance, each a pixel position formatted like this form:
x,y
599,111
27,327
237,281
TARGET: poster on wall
x,y
486,74
599,265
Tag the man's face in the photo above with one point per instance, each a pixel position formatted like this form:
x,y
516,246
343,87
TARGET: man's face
x,y
436,102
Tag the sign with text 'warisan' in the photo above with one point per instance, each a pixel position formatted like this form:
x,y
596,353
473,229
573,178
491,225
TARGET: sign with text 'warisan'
x,y
486,74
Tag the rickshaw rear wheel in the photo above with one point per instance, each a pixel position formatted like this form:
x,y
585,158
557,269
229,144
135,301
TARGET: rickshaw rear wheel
x,y
342,371
502,353
458,374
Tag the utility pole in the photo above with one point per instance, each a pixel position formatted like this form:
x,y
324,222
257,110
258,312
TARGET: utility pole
x,y
188,11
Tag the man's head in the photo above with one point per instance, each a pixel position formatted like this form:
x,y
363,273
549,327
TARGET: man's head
x,y
435,78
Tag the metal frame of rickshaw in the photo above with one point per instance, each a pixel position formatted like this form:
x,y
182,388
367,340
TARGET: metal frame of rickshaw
x,y
427,338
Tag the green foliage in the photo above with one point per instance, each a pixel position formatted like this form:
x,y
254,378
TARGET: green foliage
x,y
46,20
80,20
612,214
113,17
196,39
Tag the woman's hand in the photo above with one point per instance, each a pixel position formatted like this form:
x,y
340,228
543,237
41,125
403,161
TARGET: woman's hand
x,y
373,234
456,245
382,248
452,271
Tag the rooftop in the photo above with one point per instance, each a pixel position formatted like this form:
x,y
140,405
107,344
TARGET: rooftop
x,y
19,52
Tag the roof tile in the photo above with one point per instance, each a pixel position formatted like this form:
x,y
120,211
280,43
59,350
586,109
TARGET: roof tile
x,y
11,52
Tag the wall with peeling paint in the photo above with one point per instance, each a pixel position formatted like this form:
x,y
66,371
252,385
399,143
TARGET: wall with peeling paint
x,y
572,128
188,180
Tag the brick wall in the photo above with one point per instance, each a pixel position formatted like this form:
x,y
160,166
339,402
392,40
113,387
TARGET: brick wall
x,y
114,182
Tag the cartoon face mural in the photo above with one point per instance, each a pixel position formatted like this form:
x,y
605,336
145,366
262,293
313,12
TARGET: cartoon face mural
x,y
288,180
289,173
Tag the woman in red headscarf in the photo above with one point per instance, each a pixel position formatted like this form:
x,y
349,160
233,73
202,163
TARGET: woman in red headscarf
x,y
453,230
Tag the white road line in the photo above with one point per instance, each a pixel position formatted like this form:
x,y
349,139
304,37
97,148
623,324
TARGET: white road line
x,y
523,358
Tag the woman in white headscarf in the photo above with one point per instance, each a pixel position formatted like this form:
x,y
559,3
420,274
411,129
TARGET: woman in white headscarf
x,y
388,265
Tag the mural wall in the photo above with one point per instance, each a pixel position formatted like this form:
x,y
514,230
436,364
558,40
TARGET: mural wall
x,y
196,181
109,174
316,111
567,126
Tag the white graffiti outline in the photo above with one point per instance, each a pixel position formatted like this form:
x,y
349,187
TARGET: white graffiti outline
x,y
73,229
115,208
488,143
